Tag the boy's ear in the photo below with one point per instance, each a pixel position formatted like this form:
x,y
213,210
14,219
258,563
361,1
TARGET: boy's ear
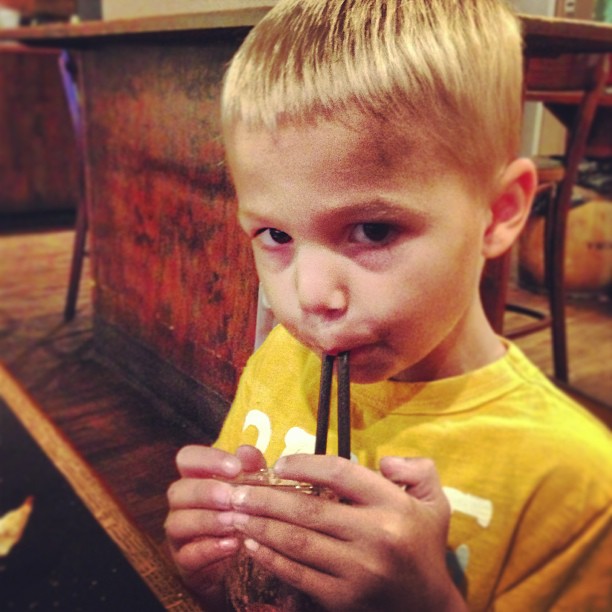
x,y
510,207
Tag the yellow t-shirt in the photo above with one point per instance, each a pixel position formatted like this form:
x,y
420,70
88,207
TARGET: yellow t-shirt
x,y
527,471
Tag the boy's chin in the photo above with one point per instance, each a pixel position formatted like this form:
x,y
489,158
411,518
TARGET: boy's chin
x,y
367,375
367,366
378,365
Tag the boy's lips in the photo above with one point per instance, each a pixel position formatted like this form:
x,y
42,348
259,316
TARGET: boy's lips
x,y
334,352
331,345
352,349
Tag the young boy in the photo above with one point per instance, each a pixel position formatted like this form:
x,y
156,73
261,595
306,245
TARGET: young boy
x,y
373,148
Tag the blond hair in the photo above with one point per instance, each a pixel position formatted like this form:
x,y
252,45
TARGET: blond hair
x,y
453,66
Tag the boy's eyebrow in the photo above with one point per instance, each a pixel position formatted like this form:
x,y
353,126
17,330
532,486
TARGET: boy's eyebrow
x,y
379,209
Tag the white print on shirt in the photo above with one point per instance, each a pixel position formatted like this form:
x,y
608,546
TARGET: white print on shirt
x,y
478,507
261,422
297,440
471,505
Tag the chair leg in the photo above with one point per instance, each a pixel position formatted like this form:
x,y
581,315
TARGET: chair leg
x,y
78,253
68,72
559,335
557,309
555,278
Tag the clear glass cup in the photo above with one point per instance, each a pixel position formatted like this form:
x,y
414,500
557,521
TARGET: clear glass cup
x,y
251,588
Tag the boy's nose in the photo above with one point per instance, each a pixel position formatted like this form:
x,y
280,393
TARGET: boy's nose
x,y
320,283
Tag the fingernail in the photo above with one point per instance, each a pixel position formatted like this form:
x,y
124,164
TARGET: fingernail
x,y
231,466
251,545
228,544
280,464
239,520
222,494
238,498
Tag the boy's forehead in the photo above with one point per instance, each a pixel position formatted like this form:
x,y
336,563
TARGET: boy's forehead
x,y
336,170
339,145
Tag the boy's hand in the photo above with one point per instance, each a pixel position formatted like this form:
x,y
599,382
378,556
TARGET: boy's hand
x,y
383,550
200,539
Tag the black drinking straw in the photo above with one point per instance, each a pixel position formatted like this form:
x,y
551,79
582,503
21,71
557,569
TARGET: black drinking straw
x,y
327,368
344,401
344,407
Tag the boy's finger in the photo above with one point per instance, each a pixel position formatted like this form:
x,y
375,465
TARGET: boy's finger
x,y
418,475
196,557
315,513
349,481
303,545
250,458
202,461
185,525
293,571
199,493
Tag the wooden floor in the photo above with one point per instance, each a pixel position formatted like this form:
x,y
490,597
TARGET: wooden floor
x,y
129,437
589,339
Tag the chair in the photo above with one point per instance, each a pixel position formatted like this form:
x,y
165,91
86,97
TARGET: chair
x,y
571,87
68,74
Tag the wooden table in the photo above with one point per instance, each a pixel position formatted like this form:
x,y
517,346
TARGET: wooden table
x,y
175,288
37,148
563,106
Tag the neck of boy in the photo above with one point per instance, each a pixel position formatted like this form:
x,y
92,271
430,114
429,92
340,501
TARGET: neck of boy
x,y
471,345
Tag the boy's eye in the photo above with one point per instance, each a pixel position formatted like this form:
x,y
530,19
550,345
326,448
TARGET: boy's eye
x,y
373,233
272,236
